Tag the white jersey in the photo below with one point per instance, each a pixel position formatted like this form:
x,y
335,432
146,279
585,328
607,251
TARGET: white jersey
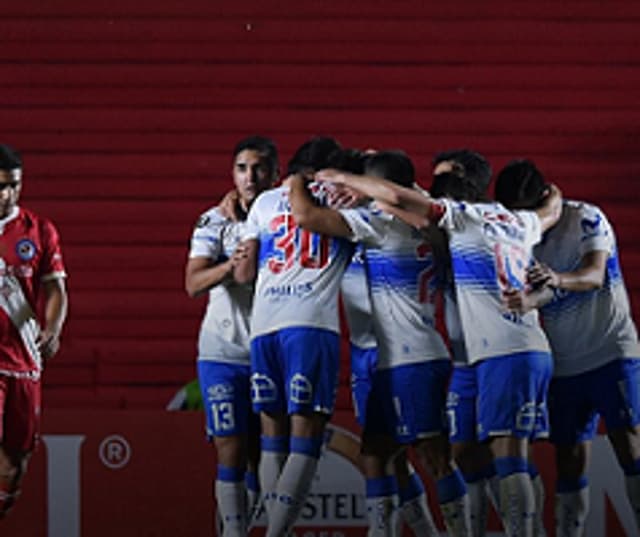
x,y
591,328
491,249
299,272
356,300
224,332
401,274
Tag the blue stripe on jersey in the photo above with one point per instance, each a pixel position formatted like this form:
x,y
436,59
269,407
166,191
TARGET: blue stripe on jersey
x,y
475,269
614,273
398,271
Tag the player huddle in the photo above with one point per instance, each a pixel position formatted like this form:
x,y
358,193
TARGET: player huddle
x,y
275,261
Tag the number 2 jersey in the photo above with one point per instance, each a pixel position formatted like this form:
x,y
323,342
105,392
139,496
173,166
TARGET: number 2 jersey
x,y
224,332
299,272
30,252
402,279
491,249
586,329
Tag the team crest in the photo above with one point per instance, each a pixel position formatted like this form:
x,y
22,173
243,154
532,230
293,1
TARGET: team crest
x,y
26,249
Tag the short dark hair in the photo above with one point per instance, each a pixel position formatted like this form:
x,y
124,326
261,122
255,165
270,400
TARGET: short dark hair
x,y
10,159
313,155
349,160
520,185
474,166
455,186
262,145
393,165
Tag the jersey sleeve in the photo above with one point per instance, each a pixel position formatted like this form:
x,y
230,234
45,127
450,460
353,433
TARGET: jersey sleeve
x,y
206,239
452,215
532,225
595,231
52,266
368,224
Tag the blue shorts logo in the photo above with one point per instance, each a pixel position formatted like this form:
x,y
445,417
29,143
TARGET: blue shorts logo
x,y
25,249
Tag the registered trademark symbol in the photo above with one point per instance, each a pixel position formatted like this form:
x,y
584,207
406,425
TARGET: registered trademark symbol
x,y
114,452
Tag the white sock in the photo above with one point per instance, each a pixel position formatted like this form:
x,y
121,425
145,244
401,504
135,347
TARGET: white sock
x,y
292,489
479,506
231,499
274,454
517,504
571,509
253,497
382,502
416,514
538,519
454,504
632,483
492,488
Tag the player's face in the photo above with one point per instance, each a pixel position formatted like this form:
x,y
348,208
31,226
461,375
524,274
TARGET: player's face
x,y
10,185
251,174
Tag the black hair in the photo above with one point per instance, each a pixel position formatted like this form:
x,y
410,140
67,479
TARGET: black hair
x,y
393,165
312,155
349,160
10,159
455,186
520,185
468,163
265,146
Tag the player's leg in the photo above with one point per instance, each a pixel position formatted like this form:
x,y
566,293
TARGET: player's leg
x,y
621,412
421,397
414,507
19,425
474,459
268,398
311,359
507,417
225,395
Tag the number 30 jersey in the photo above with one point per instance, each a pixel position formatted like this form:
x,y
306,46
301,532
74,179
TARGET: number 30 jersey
x,y
299,272
491,249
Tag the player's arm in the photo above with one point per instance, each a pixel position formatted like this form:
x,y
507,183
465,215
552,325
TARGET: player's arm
x,y
55,313
202,273
588,276
246,264
551,209
415,208
522,302
312,217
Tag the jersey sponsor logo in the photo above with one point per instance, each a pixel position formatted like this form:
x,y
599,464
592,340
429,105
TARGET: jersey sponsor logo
x,y
591,227
25,249
298,290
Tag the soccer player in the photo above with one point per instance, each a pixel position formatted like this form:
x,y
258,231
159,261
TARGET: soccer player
x,y
473,458
490,250
355,292
32,275
594,342
294,336
223,345
406,405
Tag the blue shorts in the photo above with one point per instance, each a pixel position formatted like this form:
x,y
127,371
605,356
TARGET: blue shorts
x,y
409,402
461,405
226,398
363,366
576,402
512,395
295,371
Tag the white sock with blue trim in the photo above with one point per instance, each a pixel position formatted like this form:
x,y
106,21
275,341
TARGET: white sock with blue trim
x,y
517,499
231,498
414,509
382,500
294,484
454,504
274,454
571,507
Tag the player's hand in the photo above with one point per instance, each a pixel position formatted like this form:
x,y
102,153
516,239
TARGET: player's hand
x,y
517,301
48,343
343,197
540,275
229,206
239,254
